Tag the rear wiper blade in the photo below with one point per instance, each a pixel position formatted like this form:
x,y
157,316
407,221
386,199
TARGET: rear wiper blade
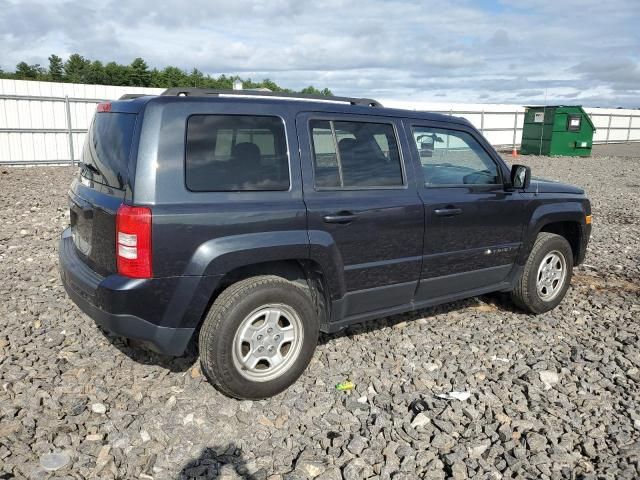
x,y
91,168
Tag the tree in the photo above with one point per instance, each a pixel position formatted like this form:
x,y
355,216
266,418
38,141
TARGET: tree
x,y
96,74
271,85
55,68
196,78
311,90
76,68
116,74
171,77
25,71
139,75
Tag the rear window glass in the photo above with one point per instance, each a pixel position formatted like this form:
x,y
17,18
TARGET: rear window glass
x,y
236,153
106,149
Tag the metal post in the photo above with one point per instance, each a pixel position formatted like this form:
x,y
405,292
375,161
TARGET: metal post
x,y
20,136
629,129
338,156
608,129
69,129
515,130
482,122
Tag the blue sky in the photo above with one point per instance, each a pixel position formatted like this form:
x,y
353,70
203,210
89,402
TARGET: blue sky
x,y
489,51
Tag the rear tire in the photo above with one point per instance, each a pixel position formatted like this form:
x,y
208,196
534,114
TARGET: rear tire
x,y
258,337
546,276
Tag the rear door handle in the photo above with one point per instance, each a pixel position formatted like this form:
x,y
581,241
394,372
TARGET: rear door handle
x,y
447,212
340,217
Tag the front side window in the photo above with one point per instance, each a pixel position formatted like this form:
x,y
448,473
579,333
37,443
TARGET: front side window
x,y
452,157
355,154
228,153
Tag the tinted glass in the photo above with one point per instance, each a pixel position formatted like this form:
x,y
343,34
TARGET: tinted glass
x,y
451,157
355,154
107,147
236,153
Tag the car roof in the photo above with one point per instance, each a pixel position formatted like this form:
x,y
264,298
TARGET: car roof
x,y
135,103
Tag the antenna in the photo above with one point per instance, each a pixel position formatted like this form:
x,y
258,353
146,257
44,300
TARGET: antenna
x,y
544,119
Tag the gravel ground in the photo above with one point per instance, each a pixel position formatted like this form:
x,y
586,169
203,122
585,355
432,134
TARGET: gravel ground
x,y
552,396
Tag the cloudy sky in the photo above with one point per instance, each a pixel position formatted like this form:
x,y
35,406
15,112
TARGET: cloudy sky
x,y
489,51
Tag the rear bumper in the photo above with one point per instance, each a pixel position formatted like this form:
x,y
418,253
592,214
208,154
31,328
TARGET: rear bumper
x,y
161,312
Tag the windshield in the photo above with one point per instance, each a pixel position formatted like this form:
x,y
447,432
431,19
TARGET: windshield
x,y
105,155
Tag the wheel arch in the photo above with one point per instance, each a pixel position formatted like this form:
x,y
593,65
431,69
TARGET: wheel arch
x,y
564,219
571,231
305,256
304,271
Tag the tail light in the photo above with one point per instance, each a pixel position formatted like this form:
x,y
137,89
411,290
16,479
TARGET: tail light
x,y
104,107
133,241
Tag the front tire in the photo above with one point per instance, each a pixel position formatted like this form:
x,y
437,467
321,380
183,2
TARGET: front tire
x,y
258,337
546,276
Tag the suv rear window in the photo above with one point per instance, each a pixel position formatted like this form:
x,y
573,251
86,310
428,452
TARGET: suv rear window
x,y
236,153
106,149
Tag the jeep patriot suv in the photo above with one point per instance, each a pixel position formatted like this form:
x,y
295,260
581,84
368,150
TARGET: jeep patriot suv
x,y
259,220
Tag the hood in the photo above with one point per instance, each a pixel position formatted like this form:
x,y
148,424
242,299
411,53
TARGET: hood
x,y
544,185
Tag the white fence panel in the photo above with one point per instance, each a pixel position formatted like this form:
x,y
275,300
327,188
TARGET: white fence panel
x,y
34,118
34,126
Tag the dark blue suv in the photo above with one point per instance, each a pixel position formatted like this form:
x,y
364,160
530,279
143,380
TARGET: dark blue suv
x,y
259,220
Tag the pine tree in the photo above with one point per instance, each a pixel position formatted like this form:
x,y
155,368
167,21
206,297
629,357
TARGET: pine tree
x,y
116,74
139,74
24,71
271,85
196,78
55,68
96,74
76,69
172,77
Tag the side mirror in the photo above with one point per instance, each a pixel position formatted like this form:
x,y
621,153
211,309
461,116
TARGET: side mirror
x,y
520,176
426,149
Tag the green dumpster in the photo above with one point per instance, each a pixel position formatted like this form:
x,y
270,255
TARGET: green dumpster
x,y
557,130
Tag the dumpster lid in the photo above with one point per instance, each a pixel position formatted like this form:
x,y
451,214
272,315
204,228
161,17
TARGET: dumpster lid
x,y
586,115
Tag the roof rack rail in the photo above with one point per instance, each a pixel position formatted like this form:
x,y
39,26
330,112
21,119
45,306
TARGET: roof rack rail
x,y
205,92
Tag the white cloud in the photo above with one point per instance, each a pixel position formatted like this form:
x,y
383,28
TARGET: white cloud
x,y
504,51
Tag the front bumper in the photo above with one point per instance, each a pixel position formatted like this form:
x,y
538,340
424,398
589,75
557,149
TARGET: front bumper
x,y
163,313
584,242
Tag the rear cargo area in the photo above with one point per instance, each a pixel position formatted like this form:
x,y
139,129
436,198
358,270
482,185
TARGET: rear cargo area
x,y
101,187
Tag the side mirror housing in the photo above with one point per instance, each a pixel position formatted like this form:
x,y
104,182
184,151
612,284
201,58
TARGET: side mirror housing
x,y
520,176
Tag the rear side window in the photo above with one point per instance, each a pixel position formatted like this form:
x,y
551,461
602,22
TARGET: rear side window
x,y
355,154
107,147
227,153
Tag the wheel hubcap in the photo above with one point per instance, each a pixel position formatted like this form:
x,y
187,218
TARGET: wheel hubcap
x,y
267,342
552,274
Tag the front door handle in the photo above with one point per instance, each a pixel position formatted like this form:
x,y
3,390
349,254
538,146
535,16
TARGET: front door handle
x,y
340,217
447,212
